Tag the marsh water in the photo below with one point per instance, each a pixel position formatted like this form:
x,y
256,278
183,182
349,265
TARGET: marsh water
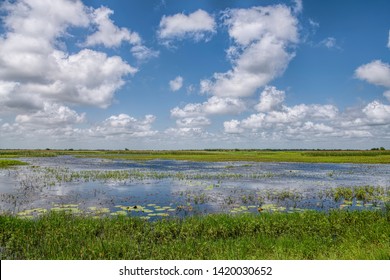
x,y
158,188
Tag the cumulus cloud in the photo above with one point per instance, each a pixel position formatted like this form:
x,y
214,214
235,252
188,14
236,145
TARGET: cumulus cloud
x,y
143,53
270,99
198,26
186,133
213,106
298,8
276,117
125,125
193,122
311,122
51,115
232,127
110,35
377,112
33,37
65,126
193,117
107,33
176,84
375,72
263,37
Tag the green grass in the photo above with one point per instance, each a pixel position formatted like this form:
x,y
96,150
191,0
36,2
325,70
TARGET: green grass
x,y
5,163
306,235
324,156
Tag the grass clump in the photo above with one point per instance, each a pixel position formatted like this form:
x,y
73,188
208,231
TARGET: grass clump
x,y
306,235
5,163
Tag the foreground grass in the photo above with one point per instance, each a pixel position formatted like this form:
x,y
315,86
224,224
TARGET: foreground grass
x,y
307,235
5,163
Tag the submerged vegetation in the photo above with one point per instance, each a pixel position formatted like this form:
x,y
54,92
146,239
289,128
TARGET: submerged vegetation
x,y
326,156
307,235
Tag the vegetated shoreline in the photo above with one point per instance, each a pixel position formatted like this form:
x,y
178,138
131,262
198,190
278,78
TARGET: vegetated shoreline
x,y
309,235
218,155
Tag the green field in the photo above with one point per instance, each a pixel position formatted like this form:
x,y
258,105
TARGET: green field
x,y
318,156
307,235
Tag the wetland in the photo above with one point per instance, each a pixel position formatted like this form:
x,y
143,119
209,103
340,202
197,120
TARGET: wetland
x,y
169,192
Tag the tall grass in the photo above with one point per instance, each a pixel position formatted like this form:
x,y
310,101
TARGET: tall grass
x,y
307,235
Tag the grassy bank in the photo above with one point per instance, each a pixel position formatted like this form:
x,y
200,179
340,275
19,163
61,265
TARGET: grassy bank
x,y
5,163
307,235
325,156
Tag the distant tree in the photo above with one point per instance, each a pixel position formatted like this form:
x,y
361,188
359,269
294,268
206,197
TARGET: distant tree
x,y
382,149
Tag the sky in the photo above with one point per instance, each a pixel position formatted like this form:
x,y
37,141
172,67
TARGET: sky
x,y
196,74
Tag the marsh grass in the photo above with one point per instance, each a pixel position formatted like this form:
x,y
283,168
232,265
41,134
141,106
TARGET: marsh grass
x,y
314,156
306,235
6,163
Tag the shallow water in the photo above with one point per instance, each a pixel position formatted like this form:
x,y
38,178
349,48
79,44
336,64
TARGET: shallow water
x,y
178,188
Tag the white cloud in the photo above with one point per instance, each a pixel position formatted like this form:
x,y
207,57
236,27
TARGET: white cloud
x,y
270,99
377,112
124,125
34,37
233,127
375,72
176,84
51,115
298,8
190,110
314,123
186,133
213,106
247,26
329,43
31,18
253,121
274,117
193,122
143,53
198,25
263,36
108,34
218,105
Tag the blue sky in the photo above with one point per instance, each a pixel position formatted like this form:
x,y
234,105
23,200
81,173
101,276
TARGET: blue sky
x,y
170,74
